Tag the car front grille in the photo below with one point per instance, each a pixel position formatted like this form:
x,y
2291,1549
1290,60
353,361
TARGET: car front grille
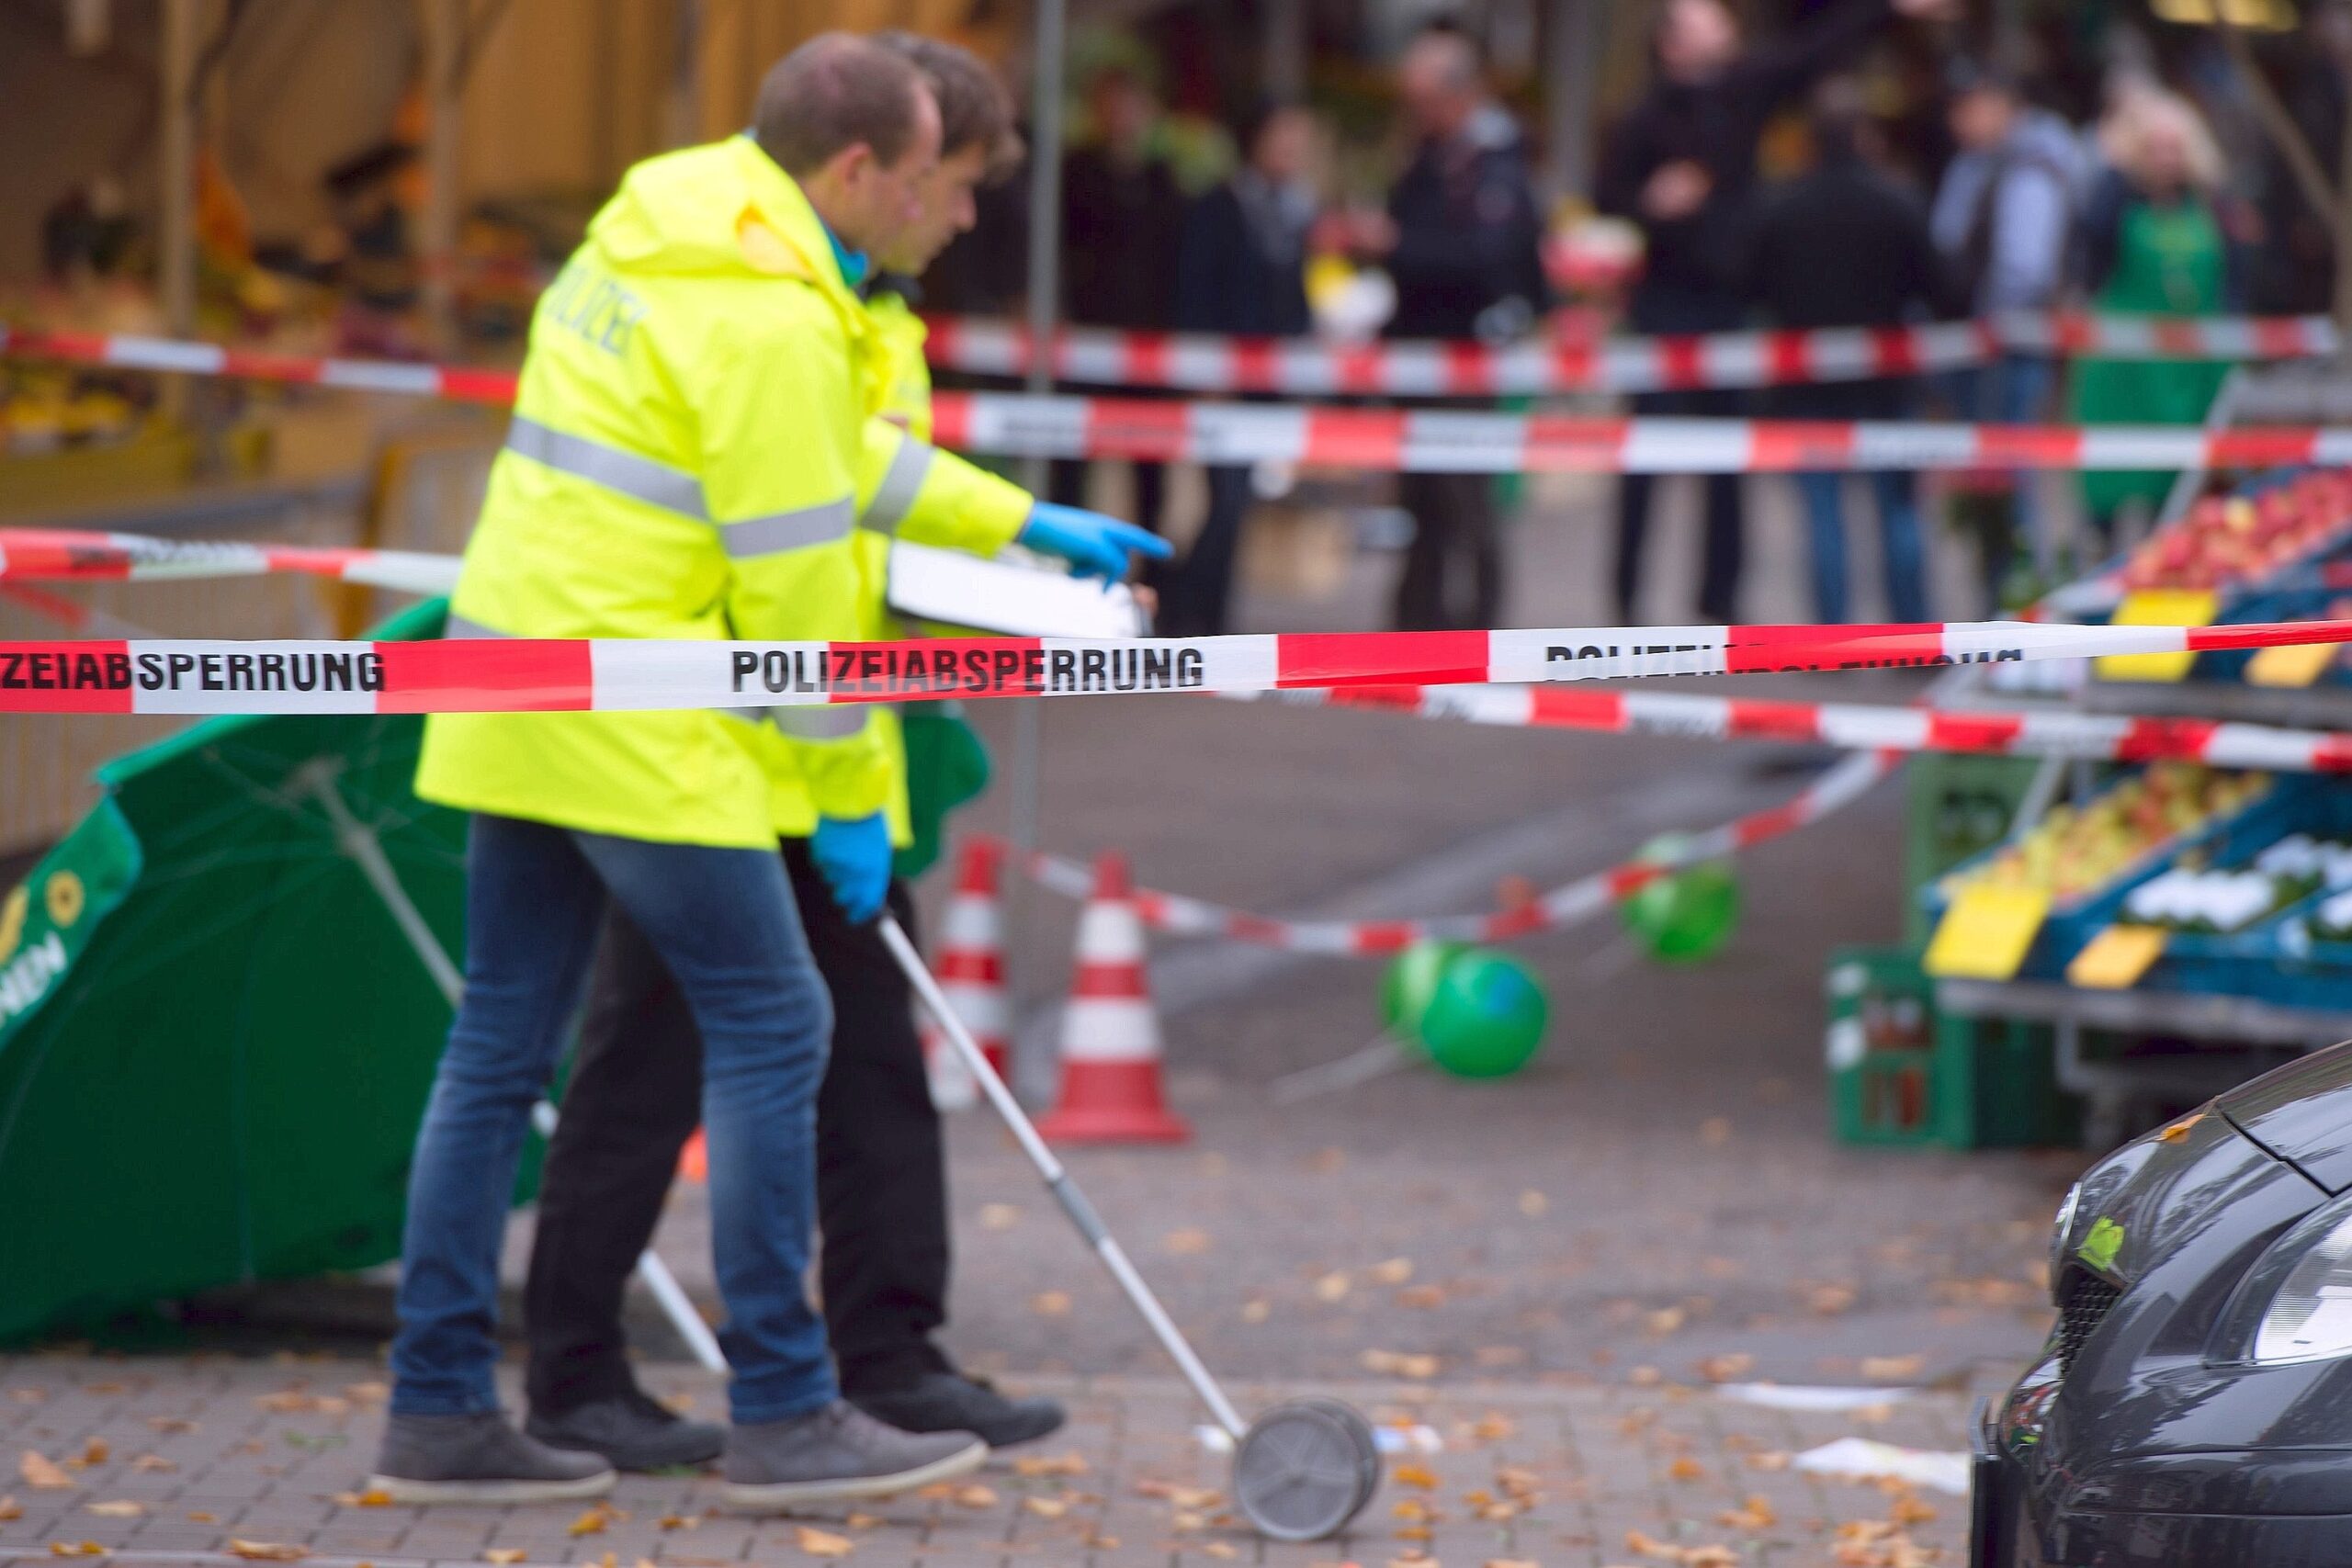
x,y
2082,1306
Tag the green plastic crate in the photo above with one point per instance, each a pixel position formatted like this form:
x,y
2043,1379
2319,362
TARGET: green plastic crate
x,y
1902,1075
1957,807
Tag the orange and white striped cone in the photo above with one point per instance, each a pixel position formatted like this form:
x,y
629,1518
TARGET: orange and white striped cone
x,y
970,971
1109,1089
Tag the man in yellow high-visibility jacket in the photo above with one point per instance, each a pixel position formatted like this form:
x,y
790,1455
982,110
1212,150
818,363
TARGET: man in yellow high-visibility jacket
x,y
685,462
635,1092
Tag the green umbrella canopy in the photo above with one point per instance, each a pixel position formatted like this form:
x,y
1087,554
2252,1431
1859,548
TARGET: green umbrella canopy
x,y
216,1037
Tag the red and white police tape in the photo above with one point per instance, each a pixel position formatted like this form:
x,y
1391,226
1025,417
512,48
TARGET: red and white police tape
x,y
1580,899
1858,726
62,555
532,675
1307,367
1411,441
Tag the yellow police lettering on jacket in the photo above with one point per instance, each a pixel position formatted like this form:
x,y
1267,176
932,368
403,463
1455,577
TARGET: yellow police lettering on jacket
x,y
685,462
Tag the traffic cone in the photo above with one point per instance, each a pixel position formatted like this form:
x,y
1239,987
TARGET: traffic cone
x,y
1110,1090
970,972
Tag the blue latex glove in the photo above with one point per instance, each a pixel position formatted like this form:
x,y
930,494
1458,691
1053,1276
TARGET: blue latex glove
x,y
854,857
1095,545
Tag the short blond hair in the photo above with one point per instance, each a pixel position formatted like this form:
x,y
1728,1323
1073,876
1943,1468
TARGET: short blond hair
x,y
2145,112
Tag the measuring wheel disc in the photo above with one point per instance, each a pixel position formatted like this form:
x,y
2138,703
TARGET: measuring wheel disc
x,y
1299,1473
1367,1444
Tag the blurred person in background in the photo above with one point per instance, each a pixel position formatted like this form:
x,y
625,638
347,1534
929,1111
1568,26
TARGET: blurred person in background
x,y
1242,270
1461,240
1681,164
2154,241
2003,218
1845,245
1123,215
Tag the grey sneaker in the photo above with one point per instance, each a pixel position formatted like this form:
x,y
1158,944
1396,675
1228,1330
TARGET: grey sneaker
x,y
632,1430
835,1454
479,1459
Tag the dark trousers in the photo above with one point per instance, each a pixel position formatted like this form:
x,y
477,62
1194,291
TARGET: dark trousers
x,y
1454,571
1196,593
636,1096
1725,546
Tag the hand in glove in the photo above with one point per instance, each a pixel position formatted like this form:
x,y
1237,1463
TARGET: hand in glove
x,y
1094,545
854,857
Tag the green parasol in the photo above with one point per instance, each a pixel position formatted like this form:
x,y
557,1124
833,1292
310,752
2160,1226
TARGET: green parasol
x,y
222,996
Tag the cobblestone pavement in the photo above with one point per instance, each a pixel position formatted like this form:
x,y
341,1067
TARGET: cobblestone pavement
x,y
205,1460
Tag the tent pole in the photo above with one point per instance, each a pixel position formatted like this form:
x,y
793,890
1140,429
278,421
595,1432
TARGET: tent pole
x,y
360,843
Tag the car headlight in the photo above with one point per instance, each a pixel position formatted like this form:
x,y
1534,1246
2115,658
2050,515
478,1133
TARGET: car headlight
x,y
2309,1317
2061,1231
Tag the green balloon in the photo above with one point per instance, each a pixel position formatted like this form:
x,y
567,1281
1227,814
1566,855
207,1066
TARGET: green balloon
x,y
1485,1017
1406,989
1686,916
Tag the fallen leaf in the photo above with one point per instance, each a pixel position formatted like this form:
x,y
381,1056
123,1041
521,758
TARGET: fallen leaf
x,y
1689,1556
153,1464
1415,1532
1050,1303
1331,1286
1494,1426
822,1543
1225,1551
1188,1242
76,1549
1050,1464
858,1521
678,1521
1771,1461
368,1393
201,1517
1756,1514
1257,1309
1715,1131
1412,1557
94,1452
1727,1368
1533,1204
116,1508
1395,1271
1413,1511
1417,1367
1102,1542
1412,1473
1517,1479
43,1474
1909,1510
998,1216
1892,1369
1196,1499
172,1424
1323,1162
105,1389
1509,1562
503,1555
976,1497
279,1551
11,1509
28,1395
1664,1321
592,1522
1045,1507
1645,1377
2179,1129
374,1497
1828,1301
1685,1469
1424,1297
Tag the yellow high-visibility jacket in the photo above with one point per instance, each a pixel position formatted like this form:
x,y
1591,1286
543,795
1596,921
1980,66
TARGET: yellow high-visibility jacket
x,y
685,462
908,490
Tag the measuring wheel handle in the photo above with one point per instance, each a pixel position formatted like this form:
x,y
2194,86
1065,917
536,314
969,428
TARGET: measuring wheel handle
x,y
1304,1468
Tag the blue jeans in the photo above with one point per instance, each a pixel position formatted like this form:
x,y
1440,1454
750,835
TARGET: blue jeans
x,y
1898,525
725,923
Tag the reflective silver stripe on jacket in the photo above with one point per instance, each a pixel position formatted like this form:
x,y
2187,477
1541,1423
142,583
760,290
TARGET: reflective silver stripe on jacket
x,y
794,530
624,473
822,721
901,483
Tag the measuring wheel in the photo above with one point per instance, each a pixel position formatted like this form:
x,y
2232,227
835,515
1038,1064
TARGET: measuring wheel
x,y
1304,1468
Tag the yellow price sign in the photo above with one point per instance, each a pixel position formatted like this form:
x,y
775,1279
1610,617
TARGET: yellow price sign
x,y
1987,932
2116,958
2159,607
2294,666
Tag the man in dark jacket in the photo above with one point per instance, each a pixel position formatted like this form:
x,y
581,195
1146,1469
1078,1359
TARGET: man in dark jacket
x,y
1242,270
1122,213
1846,246
1461,241
1682,165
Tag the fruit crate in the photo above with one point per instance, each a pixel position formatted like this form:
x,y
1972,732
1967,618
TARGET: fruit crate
x,y
1903,1075
2072,922
1956,807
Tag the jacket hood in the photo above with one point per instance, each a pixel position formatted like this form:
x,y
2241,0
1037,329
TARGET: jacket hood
x,y
723,210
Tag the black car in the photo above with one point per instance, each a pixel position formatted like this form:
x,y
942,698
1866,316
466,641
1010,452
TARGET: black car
x,y
2193,1404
